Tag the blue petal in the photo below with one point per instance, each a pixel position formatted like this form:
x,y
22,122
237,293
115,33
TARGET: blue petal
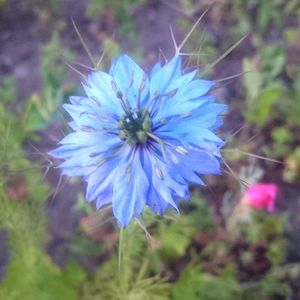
x,y
96,119
172,90
217,124
163,77
187,171
156,202
90,139
104,199
162,180
83,151
188,135
202,162
99,87
155,69
210,109
195,128
130,79
73,125
72,167
182,81
130,190
203,117
103,178
187,98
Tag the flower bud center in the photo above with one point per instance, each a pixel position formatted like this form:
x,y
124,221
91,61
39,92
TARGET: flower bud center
x,y
134,126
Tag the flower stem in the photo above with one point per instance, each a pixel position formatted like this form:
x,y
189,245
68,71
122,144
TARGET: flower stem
x,y
120,251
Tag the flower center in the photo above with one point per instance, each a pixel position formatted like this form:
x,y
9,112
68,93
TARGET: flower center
x,y
134,127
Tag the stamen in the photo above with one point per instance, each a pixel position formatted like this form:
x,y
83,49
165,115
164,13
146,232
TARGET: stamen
x,y
163,121
159,173
174,158
156,95
130,83
95,100
186,115
160,142
181,150
87,129
119,95
171,93
116,151
141,88
128,179
128,168
94,154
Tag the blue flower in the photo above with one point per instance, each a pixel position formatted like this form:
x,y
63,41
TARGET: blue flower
x,y
139,140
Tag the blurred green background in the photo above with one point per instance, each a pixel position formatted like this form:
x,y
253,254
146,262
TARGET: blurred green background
x,y
53,245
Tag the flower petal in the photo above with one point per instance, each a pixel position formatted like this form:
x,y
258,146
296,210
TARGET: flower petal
x,y
130,79
189,97
163,77
130,190
99,87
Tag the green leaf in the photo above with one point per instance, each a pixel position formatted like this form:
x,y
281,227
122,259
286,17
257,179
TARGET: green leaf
x,y
252,80
33,276
8,91
259,112
196,285
272,59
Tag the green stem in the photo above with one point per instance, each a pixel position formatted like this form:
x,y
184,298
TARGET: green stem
x,y
120,251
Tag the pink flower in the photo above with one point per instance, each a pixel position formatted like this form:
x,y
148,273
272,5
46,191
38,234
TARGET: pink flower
x,y
262,196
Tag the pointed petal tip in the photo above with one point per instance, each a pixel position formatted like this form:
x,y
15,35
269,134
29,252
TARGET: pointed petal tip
x,y
53,153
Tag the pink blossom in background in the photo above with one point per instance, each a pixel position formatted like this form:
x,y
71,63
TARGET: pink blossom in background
x,y
262,196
